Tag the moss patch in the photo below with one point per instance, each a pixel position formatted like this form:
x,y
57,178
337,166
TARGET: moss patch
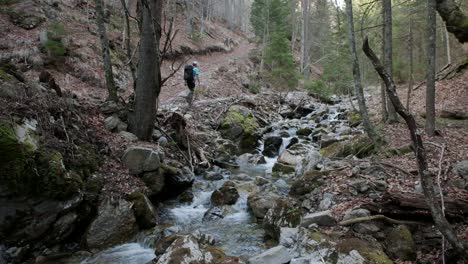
x,y
4,76
372,255
304,131
360,147
246,121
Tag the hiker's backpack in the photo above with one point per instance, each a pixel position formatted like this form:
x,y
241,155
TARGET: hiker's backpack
x,y
188,73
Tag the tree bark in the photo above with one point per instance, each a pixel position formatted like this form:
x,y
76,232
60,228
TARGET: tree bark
x,y
357,76
430,74
148,72
447,45
456,21
424,173
304,36
388,53
110,84
126,4
411,62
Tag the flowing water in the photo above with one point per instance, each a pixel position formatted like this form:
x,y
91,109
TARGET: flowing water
x,y
237,234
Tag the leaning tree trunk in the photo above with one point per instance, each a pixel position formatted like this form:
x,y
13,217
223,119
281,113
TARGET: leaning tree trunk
x,y
148,72
411,61
357,76
430,74
424,173
388,53
105,52
456,22
126,4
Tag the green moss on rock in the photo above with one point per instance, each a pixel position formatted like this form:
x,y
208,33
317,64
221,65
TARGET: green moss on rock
x,y
283,168
360,147
143,210
371,254
304,131
353,118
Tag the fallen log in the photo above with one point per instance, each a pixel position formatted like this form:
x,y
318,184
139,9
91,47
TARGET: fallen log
x,y
413,206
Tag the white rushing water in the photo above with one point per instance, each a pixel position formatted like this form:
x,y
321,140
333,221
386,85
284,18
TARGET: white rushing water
x,y
134,253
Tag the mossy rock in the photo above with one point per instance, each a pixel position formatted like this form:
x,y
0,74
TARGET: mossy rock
x,y
371,254
304,131
307,183
316,236
354,118
283,168
400,244
360,147
398,151
143,210
24,20
238,116
4,75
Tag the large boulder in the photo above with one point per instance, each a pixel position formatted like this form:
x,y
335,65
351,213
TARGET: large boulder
x,y
400,244
240,125
141,159
285,213
114,224
360,146
226,195
143,209
323,218
168,181
261,202
276,255
272,146
187,250
372,253
300,156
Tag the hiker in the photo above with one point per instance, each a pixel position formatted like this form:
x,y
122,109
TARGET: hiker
x,y
191,75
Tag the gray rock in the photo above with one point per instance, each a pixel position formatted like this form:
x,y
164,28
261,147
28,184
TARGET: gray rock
x,y
156,134
356,213
155,181
260,181
272,146
461,168
353,257
216,213
162,141
141,159
226,195
260,203
114,224
366,228
276,255
143,209
214,175
327,140
286,212
111,122
288,236
241,177
400,244
110,107
326,202
128,136
323,218
281,186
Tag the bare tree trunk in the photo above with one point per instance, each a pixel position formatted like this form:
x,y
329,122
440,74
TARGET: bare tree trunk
x,y
424,173
388,53
430,74
357,76
411,62
112,90
456,21
128,48
149,75
304,36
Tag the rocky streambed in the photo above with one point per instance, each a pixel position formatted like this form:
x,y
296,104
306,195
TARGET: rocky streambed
x,y
256,207
268,197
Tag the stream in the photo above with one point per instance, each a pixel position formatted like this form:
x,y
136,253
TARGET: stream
x,y
238,233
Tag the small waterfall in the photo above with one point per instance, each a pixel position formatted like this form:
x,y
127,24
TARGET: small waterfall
x,y
135,253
